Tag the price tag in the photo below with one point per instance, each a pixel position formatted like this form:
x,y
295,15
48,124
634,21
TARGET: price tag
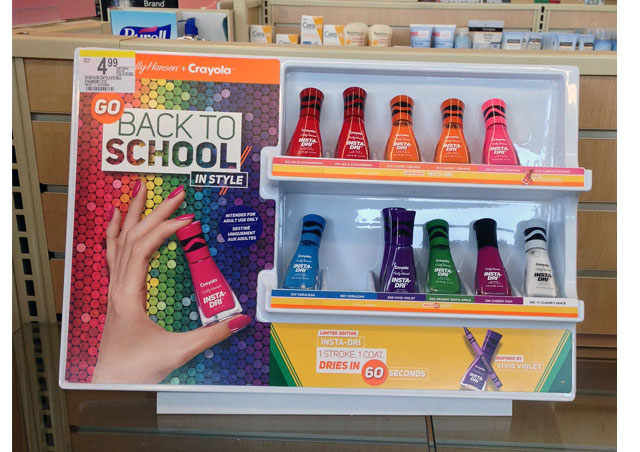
x,y
107,71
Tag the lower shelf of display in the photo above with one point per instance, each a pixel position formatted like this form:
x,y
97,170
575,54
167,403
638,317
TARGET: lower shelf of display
x,y
531,177
425,305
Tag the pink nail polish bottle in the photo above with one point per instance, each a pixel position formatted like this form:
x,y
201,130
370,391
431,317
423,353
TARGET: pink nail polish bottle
x,y
491,277
498,148
216,301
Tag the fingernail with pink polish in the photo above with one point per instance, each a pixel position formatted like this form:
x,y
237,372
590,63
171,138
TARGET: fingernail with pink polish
x,y
136,188
108,212
176,191
189,216
238,323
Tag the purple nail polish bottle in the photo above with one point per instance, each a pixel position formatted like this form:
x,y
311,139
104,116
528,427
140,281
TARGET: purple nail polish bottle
x,y
386,219
491,276
401,268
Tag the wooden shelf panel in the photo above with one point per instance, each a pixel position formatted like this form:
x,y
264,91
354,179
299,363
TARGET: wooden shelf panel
x,y
600,156
597,240
600,305
51,140
50,85
54,209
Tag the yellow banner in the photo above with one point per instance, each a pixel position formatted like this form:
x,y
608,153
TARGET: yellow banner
x,y
427,358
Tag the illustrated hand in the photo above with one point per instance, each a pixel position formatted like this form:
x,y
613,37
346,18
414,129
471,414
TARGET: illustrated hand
x,y
133,349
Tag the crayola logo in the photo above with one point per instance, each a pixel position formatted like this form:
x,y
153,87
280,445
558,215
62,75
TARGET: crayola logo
x,y
198,143
163,32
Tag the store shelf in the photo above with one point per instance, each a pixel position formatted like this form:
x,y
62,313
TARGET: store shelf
x,y
401,14
425,305
423,179
572,17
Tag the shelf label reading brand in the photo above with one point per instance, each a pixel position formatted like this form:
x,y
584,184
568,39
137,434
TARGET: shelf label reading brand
x,y
107,71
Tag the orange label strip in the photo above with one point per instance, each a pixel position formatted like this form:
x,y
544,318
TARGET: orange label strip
x,y
208,68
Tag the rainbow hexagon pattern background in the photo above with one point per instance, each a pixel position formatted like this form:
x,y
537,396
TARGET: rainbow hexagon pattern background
x,y
243,359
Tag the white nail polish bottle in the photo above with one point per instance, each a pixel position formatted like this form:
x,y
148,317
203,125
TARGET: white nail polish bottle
x,y
539,279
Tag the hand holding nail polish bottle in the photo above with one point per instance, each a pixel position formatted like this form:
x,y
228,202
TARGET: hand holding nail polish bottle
x,y
216,301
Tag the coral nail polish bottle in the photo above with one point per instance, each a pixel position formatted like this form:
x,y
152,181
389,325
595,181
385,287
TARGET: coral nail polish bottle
x,y
402,145
216,301
306,140
491,276
353,142
498,148
452,147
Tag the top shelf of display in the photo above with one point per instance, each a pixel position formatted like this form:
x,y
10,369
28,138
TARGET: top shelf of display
x,y
541,115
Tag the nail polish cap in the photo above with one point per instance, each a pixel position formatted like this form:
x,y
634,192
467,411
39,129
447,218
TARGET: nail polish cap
x,y
386,218
354,99
452,111
438,232
535,235
312,228
486,234
402,227
494,111
193,242
402,109
311,102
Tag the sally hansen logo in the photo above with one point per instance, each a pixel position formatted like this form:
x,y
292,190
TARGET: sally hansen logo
x,y
162,32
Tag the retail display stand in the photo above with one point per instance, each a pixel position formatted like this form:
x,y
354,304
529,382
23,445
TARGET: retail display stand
x,y
344,349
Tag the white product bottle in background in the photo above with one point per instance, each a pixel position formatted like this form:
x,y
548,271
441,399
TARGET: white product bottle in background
x,y
538,276
355,34
380,35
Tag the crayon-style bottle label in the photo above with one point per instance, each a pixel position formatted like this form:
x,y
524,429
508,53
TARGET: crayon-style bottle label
x,y
452,148
355,144
500,151
401,279
442,275
306,143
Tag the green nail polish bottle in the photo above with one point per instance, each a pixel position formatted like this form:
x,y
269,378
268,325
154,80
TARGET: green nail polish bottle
x,y
442,276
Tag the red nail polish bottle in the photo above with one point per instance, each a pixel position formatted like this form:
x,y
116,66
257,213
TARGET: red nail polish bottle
x,y
216,300
353,143
306,140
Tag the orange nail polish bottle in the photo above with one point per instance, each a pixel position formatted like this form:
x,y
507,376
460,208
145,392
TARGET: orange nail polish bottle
x,y
452,147
402,145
